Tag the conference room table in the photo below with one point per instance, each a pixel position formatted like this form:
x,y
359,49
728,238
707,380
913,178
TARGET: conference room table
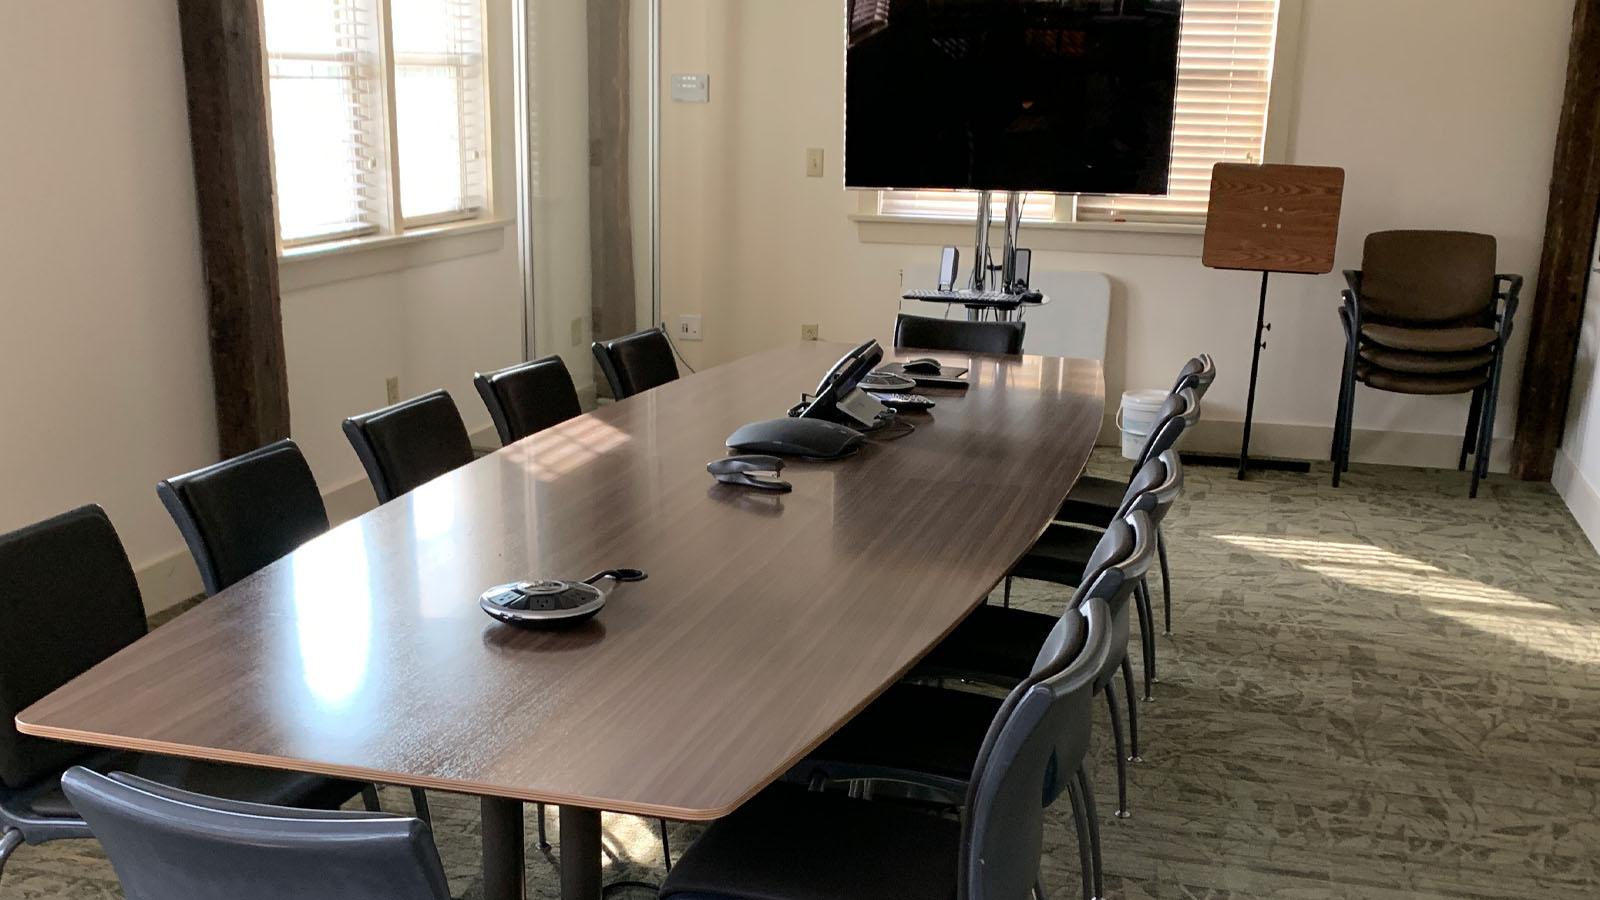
x,y
765,623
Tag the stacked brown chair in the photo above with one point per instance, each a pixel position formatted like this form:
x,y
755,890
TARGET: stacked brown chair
x,y
1427,314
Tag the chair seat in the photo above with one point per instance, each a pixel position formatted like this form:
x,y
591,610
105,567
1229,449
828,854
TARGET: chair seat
x,y
912,727
269,786
1059,555
792,844
1411,362
1412,383
997,641
1457,339
1093,501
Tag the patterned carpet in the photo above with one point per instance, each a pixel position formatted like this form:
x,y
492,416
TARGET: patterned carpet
x,y
1380,691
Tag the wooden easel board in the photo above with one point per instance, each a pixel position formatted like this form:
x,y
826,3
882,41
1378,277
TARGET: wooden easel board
x,y
1273,218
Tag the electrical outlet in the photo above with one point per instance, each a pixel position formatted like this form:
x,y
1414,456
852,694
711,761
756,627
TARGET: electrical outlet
x,y
808,332
688,328
391,388
577,330
813,162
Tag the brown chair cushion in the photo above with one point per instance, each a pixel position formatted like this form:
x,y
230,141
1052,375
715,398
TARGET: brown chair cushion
x,y
1425,363
1411,383
1427,276
1458,339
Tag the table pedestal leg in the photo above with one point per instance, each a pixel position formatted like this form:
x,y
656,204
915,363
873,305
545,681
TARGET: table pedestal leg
x,y
580,853
502,849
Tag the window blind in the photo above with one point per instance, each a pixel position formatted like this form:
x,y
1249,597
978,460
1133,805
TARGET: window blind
x,y
1224,81
322,69
1225,50
962,205
440,107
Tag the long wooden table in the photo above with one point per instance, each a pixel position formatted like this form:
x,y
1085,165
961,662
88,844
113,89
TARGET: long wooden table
x,y
766,621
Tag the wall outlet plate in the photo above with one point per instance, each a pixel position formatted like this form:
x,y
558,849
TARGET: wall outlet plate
x,y
688,328
391,388
808,332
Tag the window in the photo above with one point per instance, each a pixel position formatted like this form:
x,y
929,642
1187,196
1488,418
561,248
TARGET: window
x,y
379,115
1225,50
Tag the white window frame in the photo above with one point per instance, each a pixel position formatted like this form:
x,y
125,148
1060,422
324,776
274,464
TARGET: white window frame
x,y
393,227
877,207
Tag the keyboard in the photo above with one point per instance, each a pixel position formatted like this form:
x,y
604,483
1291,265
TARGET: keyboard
x,y
1000,299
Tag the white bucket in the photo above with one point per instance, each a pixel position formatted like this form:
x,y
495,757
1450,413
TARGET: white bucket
x,y
1135,417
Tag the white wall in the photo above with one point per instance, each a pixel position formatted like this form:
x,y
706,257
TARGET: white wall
x,y
1577,468
103,348
1443,113
103,340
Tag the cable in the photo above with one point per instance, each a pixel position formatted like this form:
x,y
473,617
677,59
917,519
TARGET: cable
x,y
674,347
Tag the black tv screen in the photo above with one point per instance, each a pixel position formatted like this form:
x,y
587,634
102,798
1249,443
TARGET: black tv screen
x,y
1068,96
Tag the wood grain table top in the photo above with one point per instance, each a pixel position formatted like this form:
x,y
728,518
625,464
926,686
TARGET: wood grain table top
x,y
765,623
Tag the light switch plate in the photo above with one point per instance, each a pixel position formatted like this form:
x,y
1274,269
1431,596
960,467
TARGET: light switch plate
x,y
813,162
691,88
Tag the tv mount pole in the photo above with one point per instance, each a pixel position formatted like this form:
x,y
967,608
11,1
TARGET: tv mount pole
x,y
981,267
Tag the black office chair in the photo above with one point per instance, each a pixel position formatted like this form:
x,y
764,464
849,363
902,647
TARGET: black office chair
x,y
69,600
636,362
930,736
1033,750
528,397
406,445
240,514
166,843
998,644
1094,500
958,335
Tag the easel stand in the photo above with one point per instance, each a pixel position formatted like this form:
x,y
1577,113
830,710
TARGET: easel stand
x,y
1270,219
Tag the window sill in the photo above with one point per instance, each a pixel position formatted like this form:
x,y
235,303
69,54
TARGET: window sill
x,y
1143,238
317,264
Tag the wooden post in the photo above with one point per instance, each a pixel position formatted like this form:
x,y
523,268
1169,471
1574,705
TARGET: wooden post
x,y
228,132
1557,313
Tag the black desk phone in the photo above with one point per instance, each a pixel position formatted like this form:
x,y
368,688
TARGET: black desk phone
x,y
838,397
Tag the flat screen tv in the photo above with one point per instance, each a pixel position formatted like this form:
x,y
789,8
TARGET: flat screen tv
x,y
1067,96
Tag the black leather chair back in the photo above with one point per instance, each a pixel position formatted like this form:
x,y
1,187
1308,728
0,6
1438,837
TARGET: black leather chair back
x,y
636,362
1198,373
958,335
1024,765
528,397
68,600
409,444
241,514
166,843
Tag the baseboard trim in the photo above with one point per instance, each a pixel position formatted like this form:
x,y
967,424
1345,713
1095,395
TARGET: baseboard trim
x,y
1581,497
172,578
1310,442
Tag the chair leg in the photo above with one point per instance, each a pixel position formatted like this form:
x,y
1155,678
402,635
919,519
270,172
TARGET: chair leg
x,y
1080,820
1133,712
1147,638
1470,438
369,798
1006,602
1491,406
1166,581
419,802
1094,830
1121,811
9,842
544,840
1347,433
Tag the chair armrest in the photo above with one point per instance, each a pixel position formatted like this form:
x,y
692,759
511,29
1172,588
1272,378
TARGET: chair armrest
x,y
1352,277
